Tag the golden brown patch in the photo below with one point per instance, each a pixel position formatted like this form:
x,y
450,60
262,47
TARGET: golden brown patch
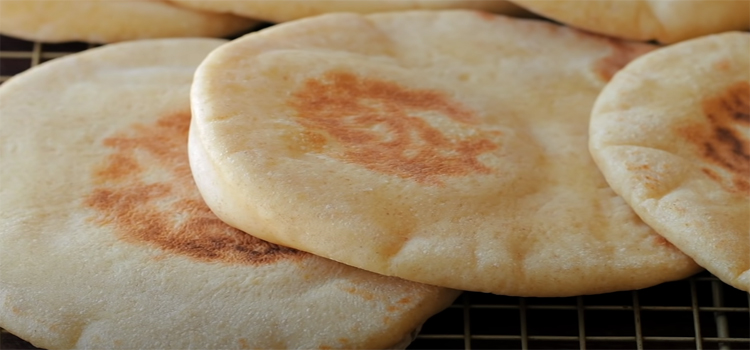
x,y
646,176
639,167
16,310
244,344
364,294
719,141
486,16
146,191
375,122
661,241
315,141
622,53
301,143
117,168
723,65
710,173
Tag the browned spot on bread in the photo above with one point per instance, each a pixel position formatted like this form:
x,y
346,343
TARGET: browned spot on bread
x,y
16,310
661,241
639,167
486,16
646,176
304,142
244,344
120,166
710,173
742,185
719,140
382,126
621,54
146,192
723,65
314,140
364,294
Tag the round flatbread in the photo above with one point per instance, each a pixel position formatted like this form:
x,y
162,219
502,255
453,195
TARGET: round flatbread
x,y
446,147
660,20
671,133
286,10
105,242
107,21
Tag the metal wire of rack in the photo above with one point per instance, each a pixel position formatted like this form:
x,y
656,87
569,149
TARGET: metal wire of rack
x,y
696,313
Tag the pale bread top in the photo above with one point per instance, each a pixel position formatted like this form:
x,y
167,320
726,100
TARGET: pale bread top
x,y
446,147
106,21
671,134
105,242
286,10
662,20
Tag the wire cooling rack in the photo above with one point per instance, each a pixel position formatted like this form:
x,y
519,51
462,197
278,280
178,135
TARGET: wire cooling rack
x,y
696,313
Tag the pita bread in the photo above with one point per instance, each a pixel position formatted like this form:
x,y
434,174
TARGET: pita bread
x,y
106,21
671,134
105,242
660,20
286,10
419,145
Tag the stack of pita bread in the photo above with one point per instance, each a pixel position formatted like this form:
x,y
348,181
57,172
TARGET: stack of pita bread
x,y
108,21
333,181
